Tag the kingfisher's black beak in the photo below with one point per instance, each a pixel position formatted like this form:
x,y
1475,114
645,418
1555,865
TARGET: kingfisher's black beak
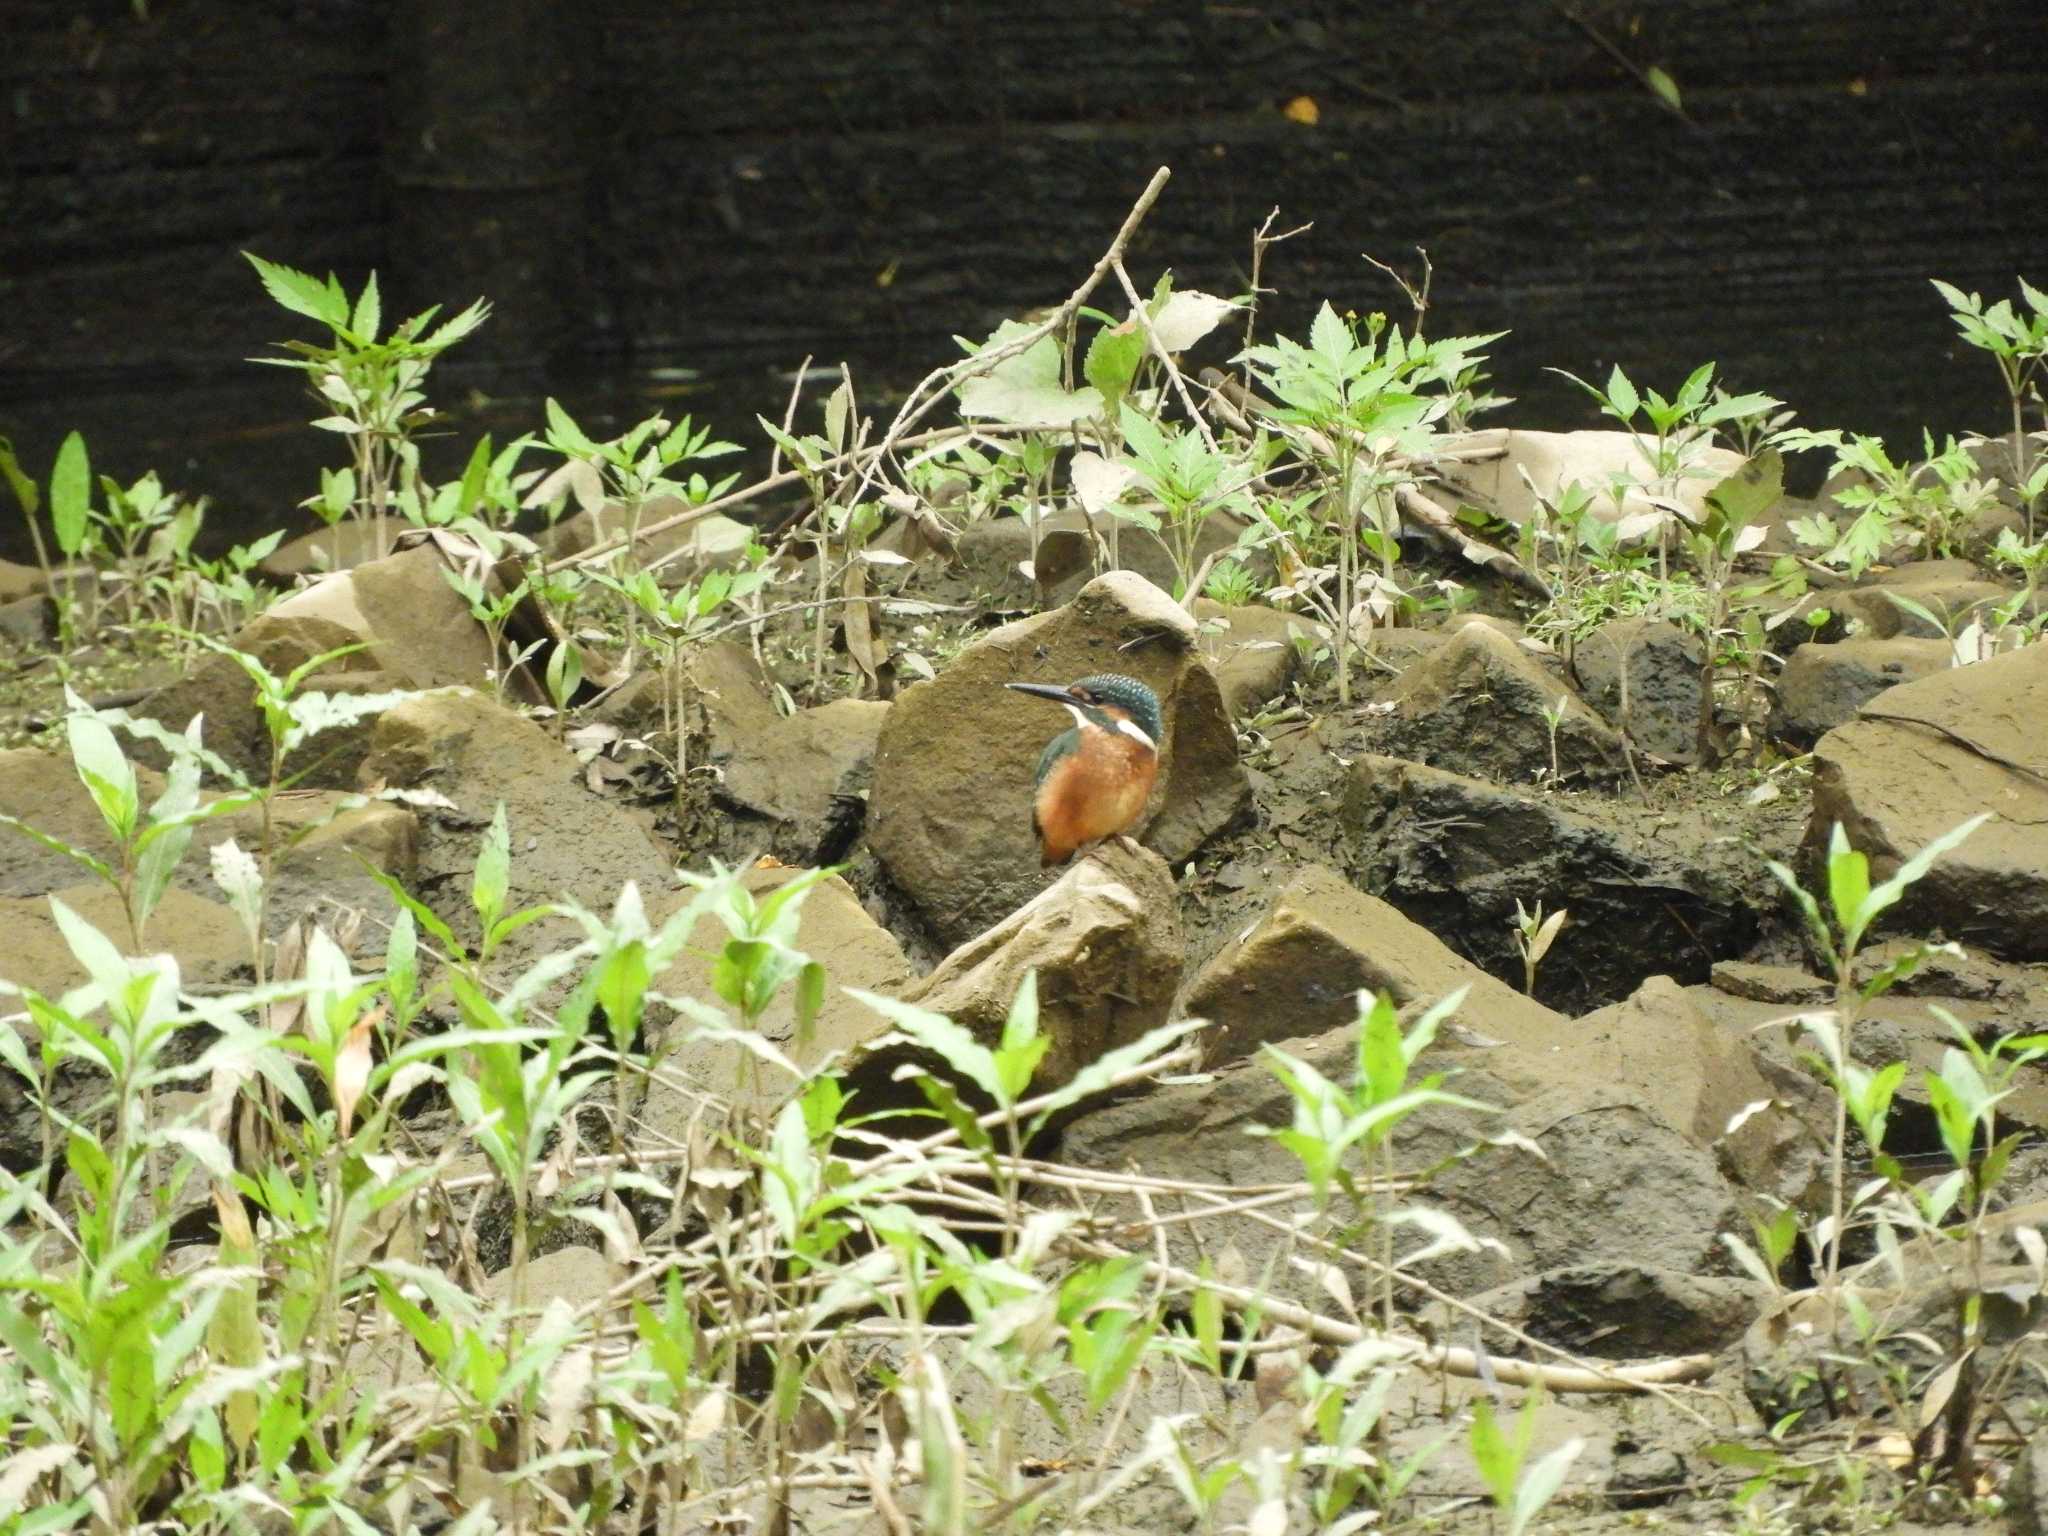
x,y
1051,691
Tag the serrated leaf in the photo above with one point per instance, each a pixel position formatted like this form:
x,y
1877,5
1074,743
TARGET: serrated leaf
x,y
1328,334
1112,361
369,313
1621,394
565,435
457,327
302,293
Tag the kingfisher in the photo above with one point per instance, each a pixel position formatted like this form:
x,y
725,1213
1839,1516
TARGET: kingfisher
x,y
1094,780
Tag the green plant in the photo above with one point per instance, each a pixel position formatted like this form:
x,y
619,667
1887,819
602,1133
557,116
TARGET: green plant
x,y
1192,479
1560,527
493,610
1232,584
2023,610
1534,934
1753,422
1361,419
2018,344
214,595
1726,529
149,842
1949,1217
292,716
1862,1097
1519,1490
1931,505
758,961
112,1335
146,533
842,525
634,468
1333,1119
70,522
681,618
1670,435
334,501
370,389
562,677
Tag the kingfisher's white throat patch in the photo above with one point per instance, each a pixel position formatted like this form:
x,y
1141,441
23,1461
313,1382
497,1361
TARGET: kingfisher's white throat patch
x,y
1126,726
1136,732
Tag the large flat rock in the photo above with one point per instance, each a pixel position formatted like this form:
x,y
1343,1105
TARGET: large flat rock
x,y
1927,755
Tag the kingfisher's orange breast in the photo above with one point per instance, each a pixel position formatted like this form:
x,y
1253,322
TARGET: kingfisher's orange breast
x,y
1096,791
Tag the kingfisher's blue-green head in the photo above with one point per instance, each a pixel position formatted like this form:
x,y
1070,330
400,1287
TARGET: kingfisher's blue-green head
x,y
1108,701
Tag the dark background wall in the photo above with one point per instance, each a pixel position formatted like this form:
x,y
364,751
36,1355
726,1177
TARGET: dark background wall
x,y
641,185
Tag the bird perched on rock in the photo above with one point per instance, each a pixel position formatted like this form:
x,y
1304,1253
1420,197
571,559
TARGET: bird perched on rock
x,y
1094,780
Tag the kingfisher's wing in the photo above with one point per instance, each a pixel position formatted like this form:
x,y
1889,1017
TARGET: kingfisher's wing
x,y
1061,746
1065,744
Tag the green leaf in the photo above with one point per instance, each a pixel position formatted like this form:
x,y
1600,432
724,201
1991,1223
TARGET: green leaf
x,y
1383,1065
1751,491
1329,335
1665,87
1888,894
565,673
1848,880
369,312
57,845
1540,1486
302,293
25,492
1492,1455
565,436
1957,300
1621,394
940,1035
1022,1047
476,475
168,835
1097,1075
456,328
423,914
1113,358
401,963
94,951
71,495
106,773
